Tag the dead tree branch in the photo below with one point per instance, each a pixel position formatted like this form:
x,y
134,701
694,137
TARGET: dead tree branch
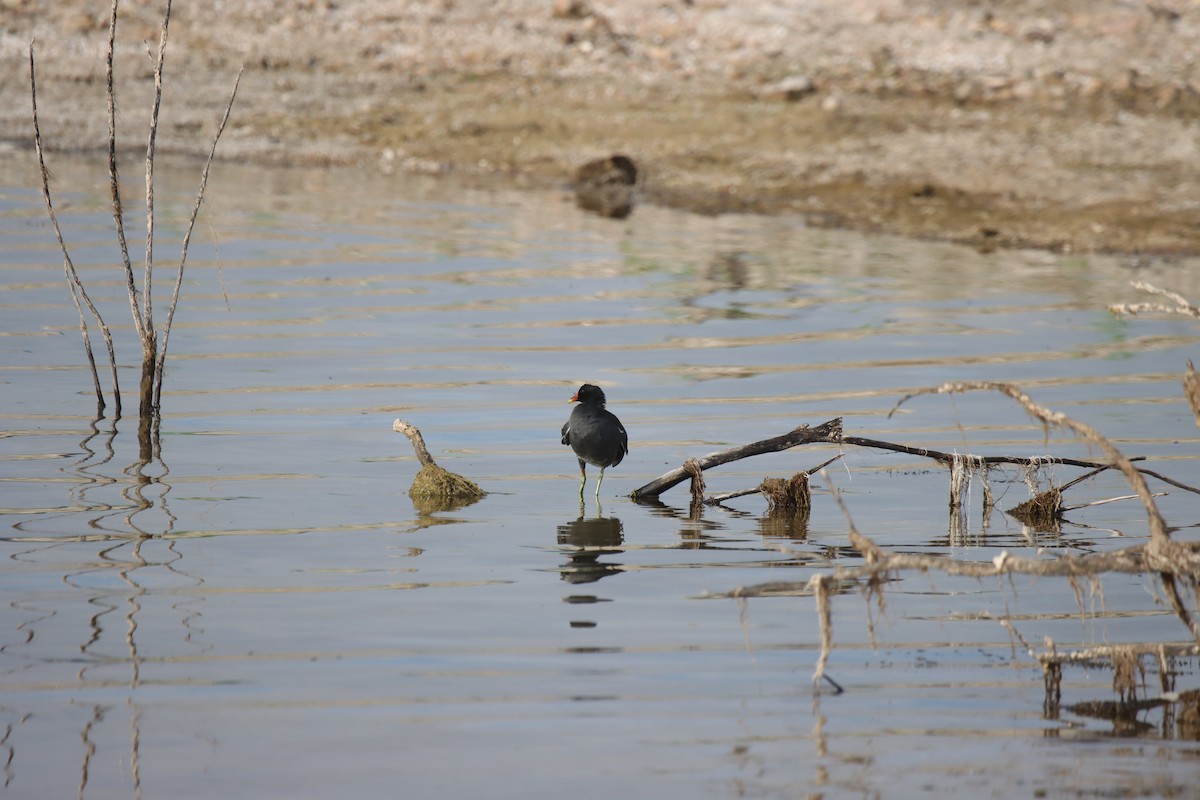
x,y
717,499
1172,561
830,431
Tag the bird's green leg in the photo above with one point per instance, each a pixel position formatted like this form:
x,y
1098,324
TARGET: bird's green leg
x,y
599,482
582,478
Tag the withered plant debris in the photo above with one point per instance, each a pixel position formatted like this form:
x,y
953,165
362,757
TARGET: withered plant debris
x,y
830,431
1175,563
787,494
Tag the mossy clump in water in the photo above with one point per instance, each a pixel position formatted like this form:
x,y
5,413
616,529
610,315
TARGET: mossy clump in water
x,y
1041,513
433,481
791,494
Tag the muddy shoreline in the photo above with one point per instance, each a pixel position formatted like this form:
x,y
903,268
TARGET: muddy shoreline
x,y
1072,129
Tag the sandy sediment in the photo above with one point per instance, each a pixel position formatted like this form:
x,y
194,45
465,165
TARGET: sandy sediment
x,y
1070,126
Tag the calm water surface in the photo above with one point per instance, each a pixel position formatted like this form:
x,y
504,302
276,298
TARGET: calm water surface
x,y
262,612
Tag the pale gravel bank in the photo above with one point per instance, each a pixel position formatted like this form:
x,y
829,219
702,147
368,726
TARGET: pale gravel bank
x,y
1068,125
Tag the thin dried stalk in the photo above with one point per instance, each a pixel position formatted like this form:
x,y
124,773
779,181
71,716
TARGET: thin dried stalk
x,y
73,280
152,140
114,180
187,238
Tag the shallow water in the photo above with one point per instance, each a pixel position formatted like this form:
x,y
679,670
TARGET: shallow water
x,y
263,612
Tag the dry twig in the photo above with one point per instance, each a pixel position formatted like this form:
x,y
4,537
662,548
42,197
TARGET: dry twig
x,y
1182,306
830,431
1173,561
187,238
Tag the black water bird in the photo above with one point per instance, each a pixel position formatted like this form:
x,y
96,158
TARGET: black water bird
x,y
594,433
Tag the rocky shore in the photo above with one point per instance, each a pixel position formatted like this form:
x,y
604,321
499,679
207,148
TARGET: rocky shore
x,y
1070,126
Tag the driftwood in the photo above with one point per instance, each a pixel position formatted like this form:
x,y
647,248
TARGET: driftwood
x,y
1040,511
1175,563
830,431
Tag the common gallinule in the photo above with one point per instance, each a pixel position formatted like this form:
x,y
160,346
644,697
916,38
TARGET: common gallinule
x,y
594,433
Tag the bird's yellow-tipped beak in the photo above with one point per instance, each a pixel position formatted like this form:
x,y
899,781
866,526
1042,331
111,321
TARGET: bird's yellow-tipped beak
x,y
574,398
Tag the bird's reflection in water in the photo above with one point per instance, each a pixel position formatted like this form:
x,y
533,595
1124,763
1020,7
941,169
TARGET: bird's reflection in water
x,y
590,539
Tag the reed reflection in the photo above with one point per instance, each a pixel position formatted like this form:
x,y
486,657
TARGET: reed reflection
x,y
695,530
137,548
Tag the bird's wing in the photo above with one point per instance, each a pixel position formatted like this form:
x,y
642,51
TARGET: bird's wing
x,y
566,432
624,440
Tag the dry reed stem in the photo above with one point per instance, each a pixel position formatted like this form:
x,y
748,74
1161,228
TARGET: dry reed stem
x,y
148,345
73,280
141,309
114,181
187,238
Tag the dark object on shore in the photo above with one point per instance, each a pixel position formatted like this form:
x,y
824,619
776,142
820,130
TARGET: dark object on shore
x,y
433,481
594,433
606,186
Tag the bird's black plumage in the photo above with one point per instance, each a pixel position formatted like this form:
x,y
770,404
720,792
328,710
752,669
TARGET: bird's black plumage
x,y
594,433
